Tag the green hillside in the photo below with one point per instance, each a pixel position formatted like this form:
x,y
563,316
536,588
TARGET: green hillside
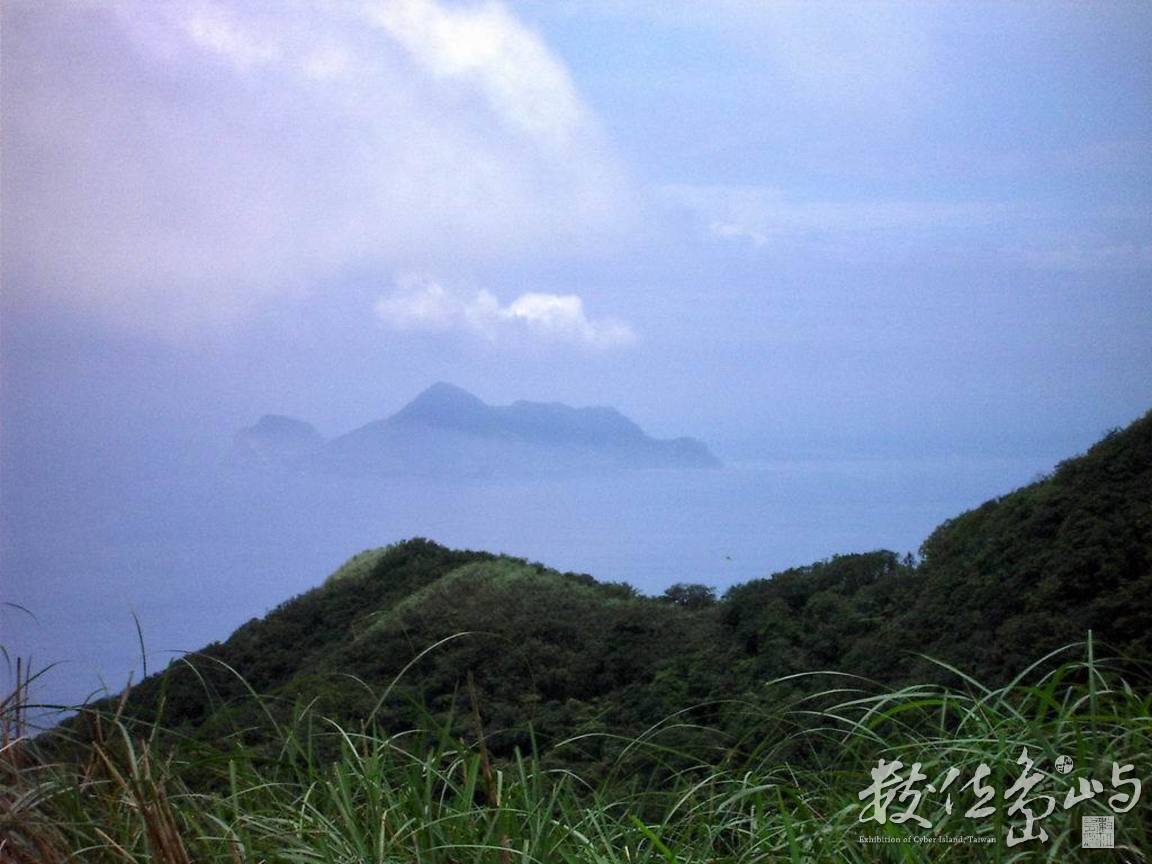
x,y
559,654
1022,574
996,587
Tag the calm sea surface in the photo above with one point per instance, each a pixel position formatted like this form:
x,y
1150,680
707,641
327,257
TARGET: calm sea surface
x,y
196,551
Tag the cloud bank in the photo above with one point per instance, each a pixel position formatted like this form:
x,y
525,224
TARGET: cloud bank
x,y
169,165
422,304
1017,233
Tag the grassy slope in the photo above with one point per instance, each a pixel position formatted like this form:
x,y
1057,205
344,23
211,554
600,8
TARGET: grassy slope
x,y
431,796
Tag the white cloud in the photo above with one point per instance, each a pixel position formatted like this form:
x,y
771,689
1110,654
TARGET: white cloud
x,y
214,29
422,304
171,166
775,222
487,46
1012,233
764,211
737,231
1083,255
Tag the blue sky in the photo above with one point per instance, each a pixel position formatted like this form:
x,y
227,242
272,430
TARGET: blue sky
x,y
843,225
899,253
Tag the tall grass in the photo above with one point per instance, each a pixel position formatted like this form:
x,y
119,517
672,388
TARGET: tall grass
x,y
787,789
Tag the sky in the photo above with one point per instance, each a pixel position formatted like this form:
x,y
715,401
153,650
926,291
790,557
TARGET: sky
x,y
795,230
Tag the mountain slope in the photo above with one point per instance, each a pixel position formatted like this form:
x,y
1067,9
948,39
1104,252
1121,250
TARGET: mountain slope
x,y
1037,568
560,651
997,587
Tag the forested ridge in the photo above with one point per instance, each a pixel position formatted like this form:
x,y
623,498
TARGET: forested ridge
x,y
416,630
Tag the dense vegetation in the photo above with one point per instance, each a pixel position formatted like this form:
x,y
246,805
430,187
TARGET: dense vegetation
x,y
425,699
557,654
675,794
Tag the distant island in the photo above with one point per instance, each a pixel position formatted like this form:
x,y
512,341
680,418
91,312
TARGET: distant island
x,y
447,431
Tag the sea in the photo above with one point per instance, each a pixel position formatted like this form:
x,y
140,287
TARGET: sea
x,y
113,572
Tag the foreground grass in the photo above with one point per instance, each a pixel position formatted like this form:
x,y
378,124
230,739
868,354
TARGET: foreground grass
x,y
786,790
